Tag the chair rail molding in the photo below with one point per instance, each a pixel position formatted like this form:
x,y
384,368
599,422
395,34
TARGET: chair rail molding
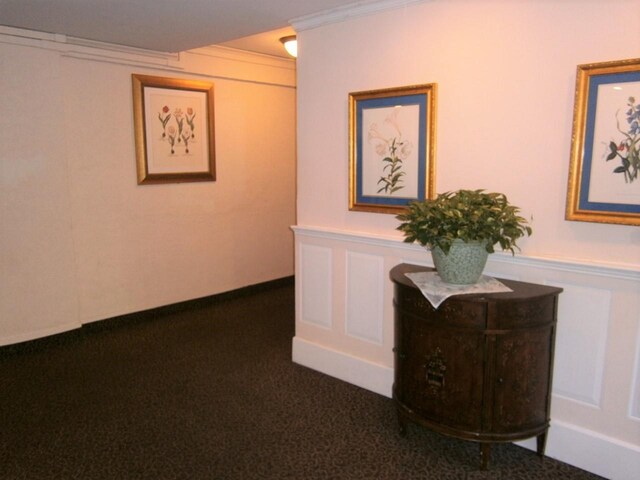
x,y
612,270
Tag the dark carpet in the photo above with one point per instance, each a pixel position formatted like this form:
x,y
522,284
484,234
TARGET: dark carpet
x,y
210,392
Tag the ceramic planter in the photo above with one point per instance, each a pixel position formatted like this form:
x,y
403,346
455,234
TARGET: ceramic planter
x,y
464,263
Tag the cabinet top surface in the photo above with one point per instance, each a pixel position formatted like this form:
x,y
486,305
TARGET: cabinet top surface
x,y
521,290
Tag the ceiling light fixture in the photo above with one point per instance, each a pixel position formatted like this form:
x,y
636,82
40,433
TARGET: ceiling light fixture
x,y
290,45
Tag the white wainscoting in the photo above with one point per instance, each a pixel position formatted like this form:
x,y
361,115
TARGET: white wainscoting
x,y
634,407
344,328
585,317
315,285
365,294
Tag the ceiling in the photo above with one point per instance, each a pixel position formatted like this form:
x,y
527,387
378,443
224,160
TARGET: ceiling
x,y
166,25
266,42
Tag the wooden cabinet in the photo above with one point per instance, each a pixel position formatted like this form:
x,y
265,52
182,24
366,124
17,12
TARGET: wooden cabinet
x,y
479,367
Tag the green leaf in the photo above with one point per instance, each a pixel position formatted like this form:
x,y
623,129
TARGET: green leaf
x,y
466,214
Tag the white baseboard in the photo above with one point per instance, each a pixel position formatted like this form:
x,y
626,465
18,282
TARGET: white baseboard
x,y
370,376
582,448
590,451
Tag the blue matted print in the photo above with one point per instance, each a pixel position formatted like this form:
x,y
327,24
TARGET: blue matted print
x,y
392,148
604,181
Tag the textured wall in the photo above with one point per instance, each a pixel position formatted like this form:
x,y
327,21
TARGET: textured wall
x,y
506,80
81,241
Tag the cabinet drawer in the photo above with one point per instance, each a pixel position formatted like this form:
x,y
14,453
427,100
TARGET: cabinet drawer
x,y
452,312
530,313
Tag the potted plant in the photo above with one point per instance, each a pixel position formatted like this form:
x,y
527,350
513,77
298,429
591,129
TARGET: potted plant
x,y
461,228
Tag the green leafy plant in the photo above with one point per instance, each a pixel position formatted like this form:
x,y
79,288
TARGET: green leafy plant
x,y
468,215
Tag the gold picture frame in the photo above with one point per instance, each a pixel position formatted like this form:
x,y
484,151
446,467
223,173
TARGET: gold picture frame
x,y
392,145
174,130
604,173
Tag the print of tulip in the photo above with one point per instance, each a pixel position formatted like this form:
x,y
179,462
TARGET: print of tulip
x,y
190,116
172,137
180,120
186,136
164,120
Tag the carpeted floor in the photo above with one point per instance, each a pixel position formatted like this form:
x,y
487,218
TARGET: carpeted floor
x,y
211,393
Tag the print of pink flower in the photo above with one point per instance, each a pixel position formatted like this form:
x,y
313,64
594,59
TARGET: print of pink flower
x,y
405,150
393,150
627,150
164,118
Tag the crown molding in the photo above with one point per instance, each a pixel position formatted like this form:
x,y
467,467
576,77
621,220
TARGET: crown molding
x,y
340,14
246,56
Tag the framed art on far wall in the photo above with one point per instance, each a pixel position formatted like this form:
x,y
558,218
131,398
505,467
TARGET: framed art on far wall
x,y
391,147
174,130
604,174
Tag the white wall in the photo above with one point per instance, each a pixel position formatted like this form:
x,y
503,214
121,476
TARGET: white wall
x,y
506,83
80,240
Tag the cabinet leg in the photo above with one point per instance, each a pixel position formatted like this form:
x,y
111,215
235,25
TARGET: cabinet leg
x,y
541,440
485,455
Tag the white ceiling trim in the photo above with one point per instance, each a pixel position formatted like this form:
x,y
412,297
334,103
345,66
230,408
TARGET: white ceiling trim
x,y
91,50
59,41
346,12
84,49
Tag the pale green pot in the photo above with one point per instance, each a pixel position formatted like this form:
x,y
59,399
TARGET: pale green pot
x,y
464,263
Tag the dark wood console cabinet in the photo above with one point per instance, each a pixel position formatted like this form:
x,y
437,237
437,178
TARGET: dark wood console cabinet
x,y
477,368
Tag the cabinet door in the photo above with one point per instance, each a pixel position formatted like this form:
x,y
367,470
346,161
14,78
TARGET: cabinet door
x,y
521,395
440,373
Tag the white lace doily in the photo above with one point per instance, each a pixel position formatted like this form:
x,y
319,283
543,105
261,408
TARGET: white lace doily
x,y
437,291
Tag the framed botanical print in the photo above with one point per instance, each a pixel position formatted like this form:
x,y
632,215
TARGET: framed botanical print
x,y
604,174
174,129
391,147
